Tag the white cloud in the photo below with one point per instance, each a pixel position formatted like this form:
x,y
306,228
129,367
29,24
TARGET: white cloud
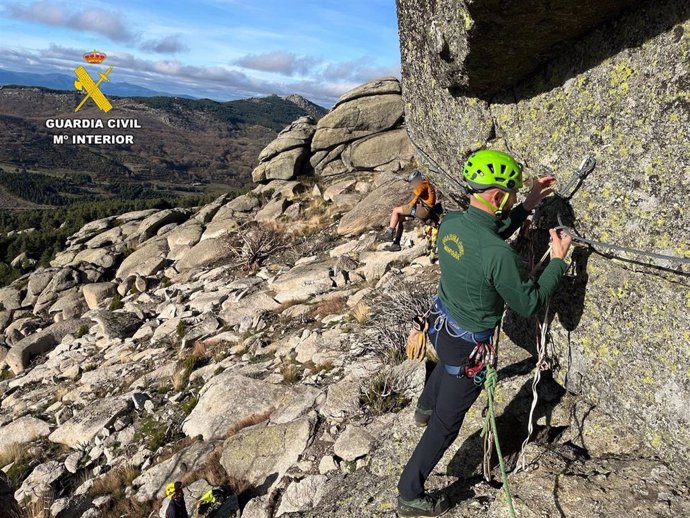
x,y
168,45
216,82
285,63
103,22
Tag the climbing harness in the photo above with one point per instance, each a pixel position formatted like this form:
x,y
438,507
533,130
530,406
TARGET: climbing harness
x,y
490,429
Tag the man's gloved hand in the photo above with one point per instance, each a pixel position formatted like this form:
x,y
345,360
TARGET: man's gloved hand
x,y
416,345
541,188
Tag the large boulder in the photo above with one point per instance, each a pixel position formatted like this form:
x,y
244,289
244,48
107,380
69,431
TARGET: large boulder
x,y
117,324
40,482
262,455
205,253
356,119
467,48
302,282
390,149
85,425
382,86
296,135
149,226
227,399
144,261
283,167
619,92
375,209
97,293
43,341
23,430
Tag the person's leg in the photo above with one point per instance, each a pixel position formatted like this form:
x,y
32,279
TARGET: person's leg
x,y
427,400
455,397
395,217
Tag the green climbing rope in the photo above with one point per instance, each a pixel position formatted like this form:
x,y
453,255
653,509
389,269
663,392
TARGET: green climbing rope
x,y
490,427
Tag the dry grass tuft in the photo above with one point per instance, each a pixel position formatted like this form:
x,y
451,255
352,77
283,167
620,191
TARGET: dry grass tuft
x,y
38,509
361,313
291,373
332,306
200,349
248,421
388,327
115,481
13,453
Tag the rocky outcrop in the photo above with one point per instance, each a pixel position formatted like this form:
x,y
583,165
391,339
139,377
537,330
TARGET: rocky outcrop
x,y
362,134
283,158
618,92
21,353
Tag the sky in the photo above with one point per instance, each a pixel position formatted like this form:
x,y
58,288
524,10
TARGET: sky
x,y
220,49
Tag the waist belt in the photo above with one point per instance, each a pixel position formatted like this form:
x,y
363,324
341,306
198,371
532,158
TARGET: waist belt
x,y
441,319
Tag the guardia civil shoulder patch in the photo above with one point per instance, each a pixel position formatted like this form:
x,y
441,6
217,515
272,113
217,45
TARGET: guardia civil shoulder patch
x,y
453,246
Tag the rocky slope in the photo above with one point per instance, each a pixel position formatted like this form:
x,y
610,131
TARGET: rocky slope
x,y
615,89
253,345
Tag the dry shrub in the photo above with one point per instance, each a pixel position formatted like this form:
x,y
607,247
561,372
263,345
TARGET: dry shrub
x,y
255,245
115,481
387,329
332,306
384,393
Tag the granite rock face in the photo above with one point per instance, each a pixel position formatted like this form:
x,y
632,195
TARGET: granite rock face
x,y
619,92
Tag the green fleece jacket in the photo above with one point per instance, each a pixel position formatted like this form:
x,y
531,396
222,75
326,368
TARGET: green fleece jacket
x,y
480,271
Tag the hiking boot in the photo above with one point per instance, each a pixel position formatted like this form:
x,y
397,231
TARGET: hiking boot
x,y
426,506
386,235
394,247
422,416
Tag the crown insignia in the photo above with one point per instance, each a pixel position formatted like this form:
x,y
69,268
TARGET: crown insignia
x,y
94,57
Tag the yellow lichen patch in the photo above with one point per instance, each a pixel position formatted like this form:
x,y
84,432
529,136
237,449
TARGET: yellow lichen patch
x,y
656,440
647,378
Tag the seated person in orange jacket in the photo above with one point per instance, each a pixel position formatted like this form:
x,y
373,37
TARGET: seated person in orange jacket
x,y
420,206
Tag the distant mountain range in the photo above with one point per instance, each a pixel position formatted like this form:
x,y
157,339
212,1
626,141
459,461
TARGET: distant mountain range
x,y
183,145
66,82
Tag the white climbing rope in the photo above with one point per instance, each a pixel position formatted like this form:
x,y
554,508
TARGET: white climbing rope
x,y
542,365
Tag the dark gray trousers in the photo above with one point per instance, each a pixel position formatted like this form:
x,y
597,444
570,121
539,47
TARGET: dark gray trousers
x,y
450,397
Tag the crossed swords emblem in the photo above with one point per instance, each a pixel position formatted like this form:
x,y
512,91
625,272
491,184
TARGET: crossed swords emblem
x,y
85,83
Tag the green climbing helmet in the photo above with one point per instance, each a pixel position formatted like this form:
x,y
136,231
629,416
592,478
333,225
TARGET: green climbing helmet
x,y
488,168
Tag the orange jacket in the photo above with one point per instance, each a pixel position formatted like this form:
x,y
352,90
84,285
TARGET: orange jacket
x,y
424,192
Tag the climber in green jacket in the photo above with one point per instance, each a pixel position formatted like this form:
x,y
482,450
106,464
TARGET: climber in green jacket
x,y
480,273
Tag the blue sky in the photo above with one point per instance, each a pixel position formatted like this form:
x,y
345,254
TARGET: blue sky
x,y
222,49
